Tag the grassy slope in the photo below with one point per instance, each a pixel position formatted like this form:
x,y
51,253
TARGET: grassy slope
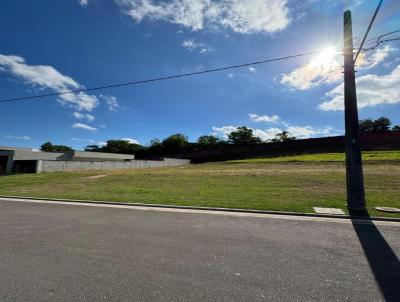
x,y
324,157
257,184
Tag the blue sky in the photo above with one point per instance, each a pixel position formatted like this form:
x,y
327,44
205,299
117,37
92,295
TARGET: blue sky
x,y
50,46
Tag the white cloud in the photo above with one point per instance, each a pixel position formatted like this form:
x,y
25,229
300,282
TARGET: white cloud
x,y
24,137
83,2
83,126
265,135
377,57
81,116
264,118
252,69
309,131
326,68
323,68
131,140
47,77
205,50
231,75
372,90
192,45
248,16
223,131
111,101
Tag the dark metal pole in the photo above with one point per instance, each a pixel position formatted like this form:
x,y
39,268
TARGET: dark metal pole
x,y
354,170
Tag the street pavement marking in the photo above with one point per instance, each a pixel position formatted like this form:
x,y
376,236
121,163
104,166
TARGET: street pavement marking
x,y
329,211
209,212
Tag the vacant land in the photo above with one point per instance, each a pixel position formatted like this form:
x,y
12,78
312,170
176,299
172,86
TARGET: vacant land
x,y
328,157
288,184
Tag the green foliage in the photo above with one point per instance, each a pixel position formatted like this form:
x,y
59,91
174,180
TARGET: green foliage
x,y
243,136
93,148
396,128
154,150
179,144
284,136
381,124
155,142
175,143
366,126
120,146
49,147
208,140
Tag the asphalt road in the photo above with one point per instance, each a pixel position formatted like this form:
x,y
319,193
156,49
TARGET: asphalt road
x,y
58,252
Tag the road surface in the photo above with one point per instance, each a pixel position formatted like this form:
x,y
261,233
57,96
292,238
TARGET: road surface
x,y
66,252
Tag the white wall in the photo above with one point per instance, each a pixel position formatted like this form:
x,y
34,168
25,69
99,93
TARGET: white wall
x,y
53,166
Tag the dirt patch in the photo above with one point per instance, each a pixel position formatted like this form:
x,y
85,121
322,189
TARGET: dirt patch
x,y
96,176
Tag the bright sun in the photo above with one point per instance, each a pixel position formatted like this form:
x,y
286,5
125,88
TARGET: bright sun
x,y
325,59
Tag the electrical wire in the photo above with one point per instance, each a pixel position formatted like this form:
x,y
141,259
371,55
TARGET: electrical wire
x,y
368,29
158,78
378,42
383,35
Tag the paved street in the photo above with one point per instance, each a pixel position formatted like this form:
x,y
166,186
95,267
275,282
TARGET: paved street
x,y
58,252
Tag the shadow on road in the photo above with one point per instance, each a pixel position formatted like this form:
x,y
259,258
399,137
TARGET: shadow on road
x,y
383,261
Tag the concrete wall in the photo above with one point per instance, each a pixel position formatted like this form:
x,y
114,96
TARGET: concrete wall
x,y
99,156
53,166
75,156
15,148
29,155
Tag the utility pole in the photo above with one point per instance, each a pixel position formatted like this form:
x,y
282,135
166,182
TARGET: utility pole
x,y
354,170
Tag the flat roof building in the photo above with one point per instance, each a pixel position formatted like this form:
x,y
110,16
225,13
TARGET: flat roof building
x,y
26,160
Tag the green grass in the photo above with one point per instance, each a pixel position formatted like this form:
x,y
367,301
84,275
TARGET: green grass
x,y
326,157
254,184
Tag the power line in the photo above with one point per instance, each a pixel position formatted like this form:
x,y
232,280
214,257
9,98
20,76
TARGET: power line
x,y
368,29
378,42
158,78
383,35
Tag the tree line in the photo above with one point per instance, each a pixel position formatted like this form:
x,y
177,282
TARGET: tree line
x,y
179,143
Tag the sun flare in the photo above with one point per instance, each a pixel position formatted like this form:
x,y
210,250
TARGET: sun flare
x,y
325,59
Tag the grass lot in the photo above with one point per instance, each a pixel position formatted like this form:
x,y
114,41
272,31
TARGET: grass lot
x,y
326,157
290,184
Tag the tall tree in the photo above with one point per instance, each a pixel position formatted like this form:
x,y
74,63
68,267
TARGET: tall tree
x,y
175,143
366,126
382,124
284,136
208,140
369,125
121,146
93,148
396,128
49,147
243,136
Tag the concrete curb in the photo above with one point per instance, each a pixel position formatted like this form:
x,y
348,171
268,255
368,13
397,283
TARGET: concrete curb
x,y
249,211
